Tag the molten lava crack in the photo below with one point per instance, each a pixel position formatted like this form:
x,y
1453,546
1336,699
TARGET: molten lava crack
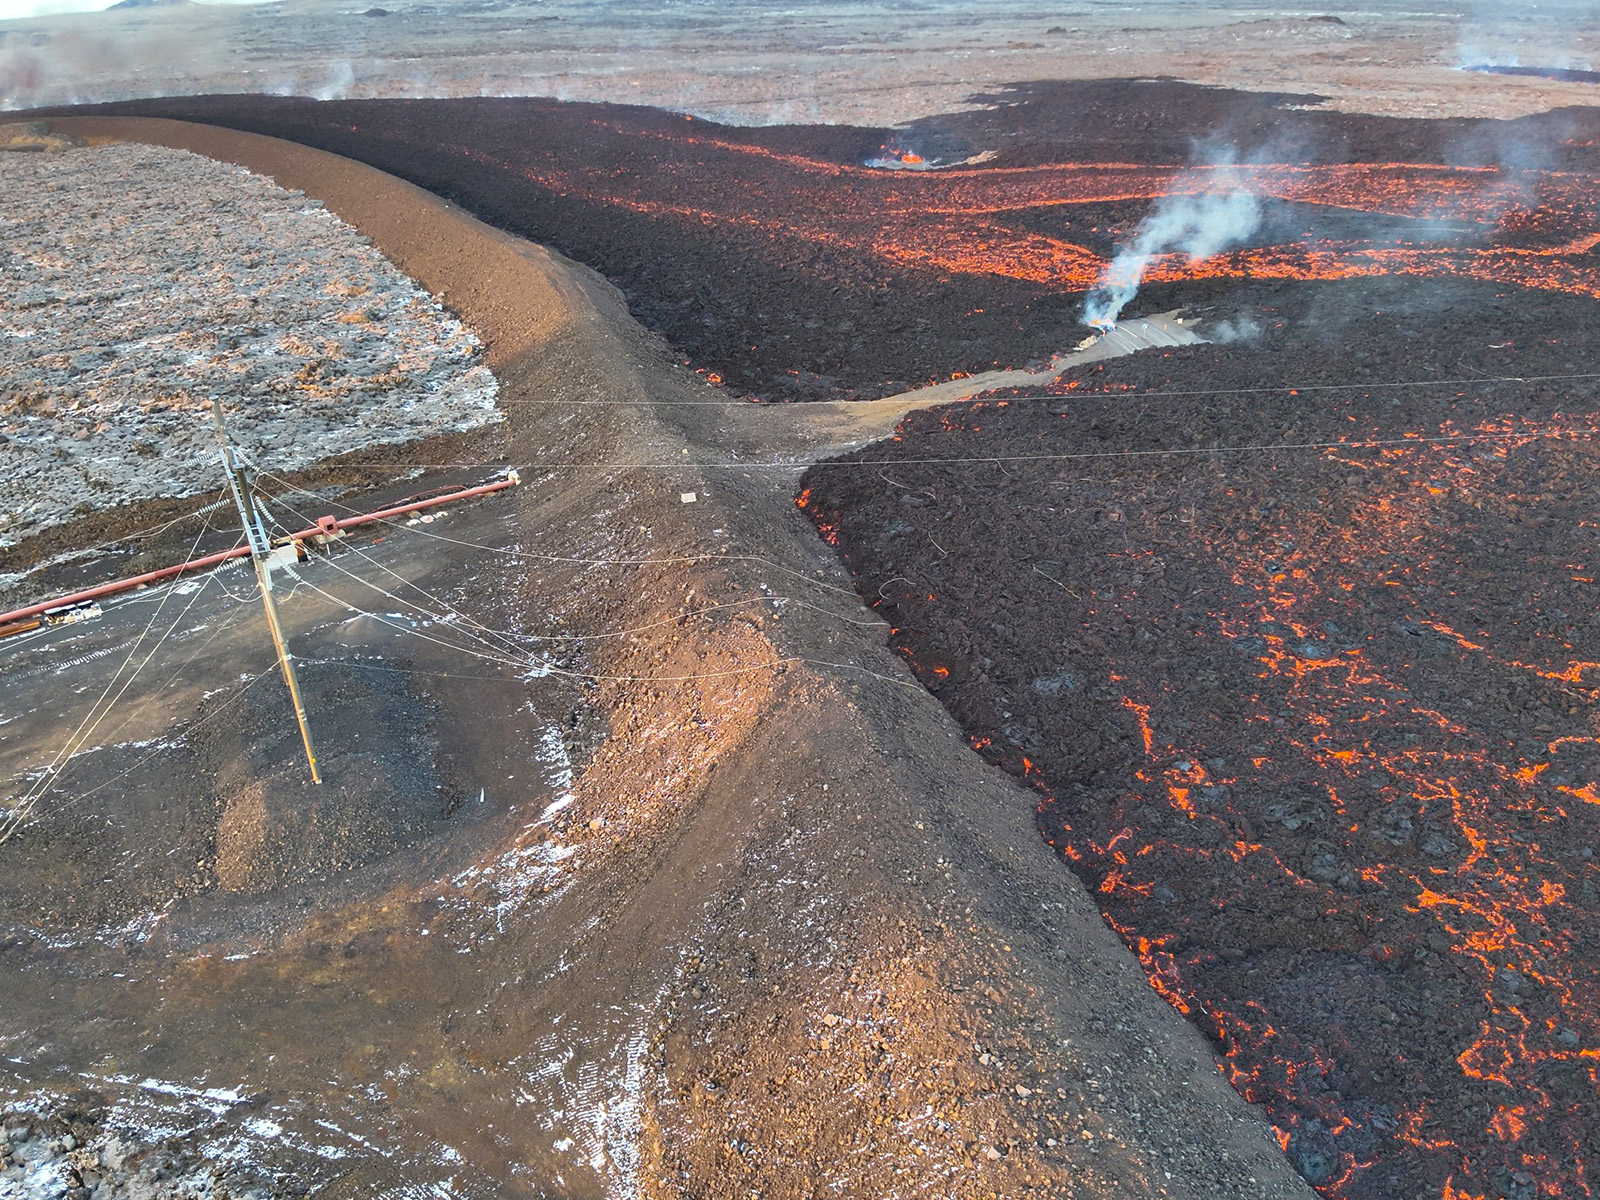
x,y
1315,727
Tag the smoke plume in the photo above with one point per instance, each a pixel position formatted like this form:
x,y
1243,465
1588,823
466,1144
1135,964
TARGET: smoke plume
x,y
1234,330
1209,211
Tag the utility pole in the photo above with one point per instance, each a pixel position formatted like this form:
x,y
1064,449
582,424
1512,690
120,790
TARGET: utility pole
x,y
255,531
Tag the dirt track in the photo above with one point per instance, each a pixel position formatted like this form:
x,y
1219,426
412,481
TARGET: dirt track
x,y
810,942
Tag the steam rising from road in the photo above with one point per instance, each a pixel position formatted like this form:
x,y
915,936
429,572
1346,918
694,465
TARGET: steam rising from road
x,y
1210,210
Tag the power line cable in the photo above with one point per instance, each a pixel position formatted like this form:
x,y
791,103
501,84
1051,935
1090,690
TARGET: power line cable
x,y
1190,452
132,651
53,771
545,666
56,770
501,646
675,560
511,641
548,668
145,534
81,736
250,681
506,640
804,404
222,626
963,460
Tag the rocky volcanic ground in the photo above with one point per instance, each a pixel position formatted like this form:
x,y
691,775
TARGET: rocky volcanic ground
x,y
143,281
1315,723
1312,723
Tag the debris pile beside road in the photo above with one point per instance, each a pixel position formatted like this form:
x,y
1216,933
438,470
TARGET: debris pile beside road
x,y
141,281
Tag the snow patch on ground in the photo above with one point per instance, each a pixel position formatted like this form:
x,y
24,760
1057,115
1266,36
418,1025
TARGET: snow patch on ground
x,y
162,1139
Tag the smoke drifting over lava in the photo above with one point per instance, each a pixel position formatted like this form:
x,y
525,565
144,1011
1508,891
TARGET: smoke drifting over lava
x,y
1219,213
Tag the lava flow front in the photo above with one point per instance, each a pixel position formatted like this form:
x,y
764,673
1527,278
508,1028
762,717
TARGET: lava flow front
x,y
1316,725
804,263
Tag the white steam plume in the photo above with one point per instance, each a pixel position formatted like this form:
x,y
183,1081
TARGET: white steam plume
x,y
1238,329
1214,212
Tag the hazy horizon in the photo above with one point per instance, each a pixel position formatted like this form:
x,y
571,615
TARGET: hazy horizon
x,y
876,62
21,10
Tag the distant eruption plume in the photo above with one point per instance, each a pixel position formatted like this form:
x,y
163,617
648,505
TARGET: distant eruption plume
x,y
1210,210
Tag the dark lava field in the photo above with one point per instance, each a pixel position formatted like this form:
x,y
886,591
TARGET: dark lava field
x,y
1314,722
1294,636
780,262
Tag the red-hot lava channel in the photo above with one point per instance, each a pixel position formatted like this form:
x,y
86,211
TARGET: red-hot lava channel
x,y
780,260
959,220
1318,728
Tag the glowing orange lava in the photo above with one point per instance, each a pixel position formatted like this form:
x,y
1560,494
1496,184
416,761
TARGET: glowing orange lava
x,y
1498,224
1346,769
1486,882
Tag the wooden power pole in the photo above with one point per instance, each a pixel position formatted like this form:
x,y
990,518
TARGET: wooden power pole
x,y
255,531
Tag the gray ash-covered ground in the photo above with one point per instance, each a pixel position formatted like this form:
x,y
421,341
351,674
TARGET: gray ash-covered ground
x,y
1315,723
144,281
